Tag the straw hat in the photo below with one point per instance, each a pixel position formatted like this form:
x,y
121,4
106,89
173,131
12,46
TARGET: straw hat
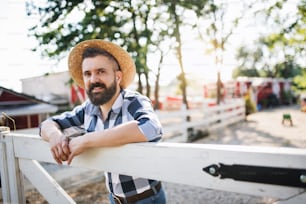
x,y
126,63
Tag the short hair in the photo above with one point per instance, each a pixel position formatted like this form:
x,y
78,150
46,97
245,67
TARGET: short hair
x,y
94,51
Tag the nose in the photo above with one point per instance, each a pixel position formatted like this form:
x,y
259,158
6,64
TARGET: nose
x,y
94,78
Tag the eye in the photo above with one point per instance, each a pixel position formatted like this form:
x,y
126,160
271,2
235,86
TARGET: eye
x,y
101,71
86,74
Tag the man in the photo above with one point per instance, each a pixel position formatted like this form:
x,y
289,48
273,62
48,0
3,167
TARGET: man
x,y
112,116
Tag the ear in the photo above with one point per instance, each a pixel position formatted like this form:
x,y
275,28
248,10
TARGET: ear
x,y
118,76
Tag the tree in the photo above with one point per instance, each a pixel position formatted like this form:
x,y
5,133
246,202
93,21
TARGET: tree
x,y
176,18
130,23
177,9
278,53
219,25
249,62
300,81
63,24
162,42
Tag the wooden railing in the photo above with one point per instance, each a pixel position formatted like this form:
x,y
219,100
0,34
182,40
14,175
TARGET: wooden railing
x,y
179,125
172,162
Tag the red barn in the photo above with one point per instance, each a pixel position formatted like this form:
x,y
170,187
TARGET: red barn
x,y
21,111
265,91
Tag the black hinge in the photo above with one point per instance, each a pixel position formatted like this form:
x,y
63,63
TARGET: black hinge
x,y
259,174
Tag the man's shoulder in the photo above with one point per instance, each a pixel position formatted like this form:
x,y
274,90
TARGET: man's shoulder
x,y
130,94
87,107
135,99
84,105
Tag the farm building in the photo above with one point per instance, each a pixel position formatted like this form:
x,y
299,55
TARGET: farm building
x,y
21,111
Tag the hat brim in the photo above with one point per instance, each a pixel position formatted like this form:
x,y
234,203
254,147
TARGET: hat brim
x,y
125,61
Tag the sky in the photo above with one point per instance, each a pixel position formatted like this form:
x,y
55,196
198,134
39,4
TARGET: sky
x,y
18,61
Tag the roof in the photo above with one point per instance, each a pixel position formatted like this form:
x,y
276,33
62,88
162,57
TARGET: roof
x,y
8,97
29,109
16,104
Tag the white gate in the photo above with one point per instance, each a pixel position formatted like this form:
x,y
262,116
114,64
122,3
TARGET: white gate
x,y
262,171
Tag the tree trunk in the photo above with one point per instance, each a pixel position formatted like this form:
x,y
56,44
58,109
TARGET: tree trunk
x,y
179,54
156,91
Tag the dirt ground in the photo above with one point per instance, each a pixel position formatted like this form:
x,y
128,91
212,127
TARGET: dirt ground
x,y
92,193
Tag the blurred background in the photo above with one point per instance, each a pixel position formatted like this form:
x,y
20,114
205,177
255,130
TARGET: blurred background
x,y
187,52
194,55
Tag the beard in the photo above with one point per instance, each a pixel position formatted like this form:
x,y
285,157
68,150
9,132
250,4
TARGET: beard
x,y
102,97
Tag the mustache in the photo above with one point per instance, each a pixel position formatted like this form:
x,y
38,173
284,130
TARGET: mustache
x,y
99,85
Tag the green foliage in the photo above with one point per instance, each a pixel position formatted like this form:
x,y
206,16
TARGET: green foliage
x,y
287,97
299,81
63,24
245,72
287,69
142,27
279,53
139,26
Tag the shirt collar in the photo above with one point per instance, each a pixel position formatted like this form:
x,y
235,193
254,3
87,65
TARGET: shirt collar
x,y
95,110
118,103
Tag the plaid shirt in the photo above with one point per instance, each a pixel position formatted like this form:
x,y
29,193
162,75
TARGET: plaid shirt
x,y
127,107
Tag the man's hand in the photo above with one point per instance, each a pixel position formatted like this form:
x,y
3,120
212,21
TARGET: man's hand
x,y
59,143
77,145
60,148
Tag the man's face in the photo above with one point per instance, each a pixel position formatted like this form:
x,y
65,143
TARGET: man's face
x,y
100,79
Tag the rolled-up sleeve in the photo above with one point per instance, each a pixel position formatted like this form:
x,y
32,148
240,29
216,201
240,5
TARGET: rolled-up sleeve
x,y
148,122
71,118
70,122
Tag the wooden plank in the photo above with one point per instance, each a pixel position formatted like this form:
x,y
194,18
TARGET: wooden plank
x,y
4,171
44,183
209,121
181,163
15,178
32,147
210,118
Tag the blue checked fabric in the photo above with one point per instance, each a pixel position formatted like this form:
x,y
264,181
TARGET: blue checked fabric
x,y
128,106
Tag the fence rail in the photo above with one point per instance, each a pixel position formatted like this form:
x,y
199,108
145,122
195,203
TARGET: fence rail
x,y
172,162
177,123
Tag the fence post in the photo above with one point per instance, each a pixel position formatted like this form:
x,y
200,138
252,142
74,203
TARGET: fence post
x,y
4,169
185,119
11,177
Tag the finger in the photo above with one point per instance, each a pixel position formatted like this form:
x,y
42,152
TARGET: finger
x,y
62,156
65,147
55,152
70,159
60,151
58,161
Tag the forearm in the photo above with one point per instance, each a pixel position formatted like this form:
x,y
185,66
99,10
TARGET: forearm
x,y
51,133
50,129
119,135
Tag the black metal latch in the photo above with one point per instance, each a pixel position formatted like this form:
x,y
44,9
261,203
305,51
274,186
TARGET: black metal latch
x,y
259,174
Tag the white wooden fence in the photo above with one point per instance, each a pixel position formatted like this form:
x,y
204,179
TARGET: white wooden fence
x,y
172,162
209,118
